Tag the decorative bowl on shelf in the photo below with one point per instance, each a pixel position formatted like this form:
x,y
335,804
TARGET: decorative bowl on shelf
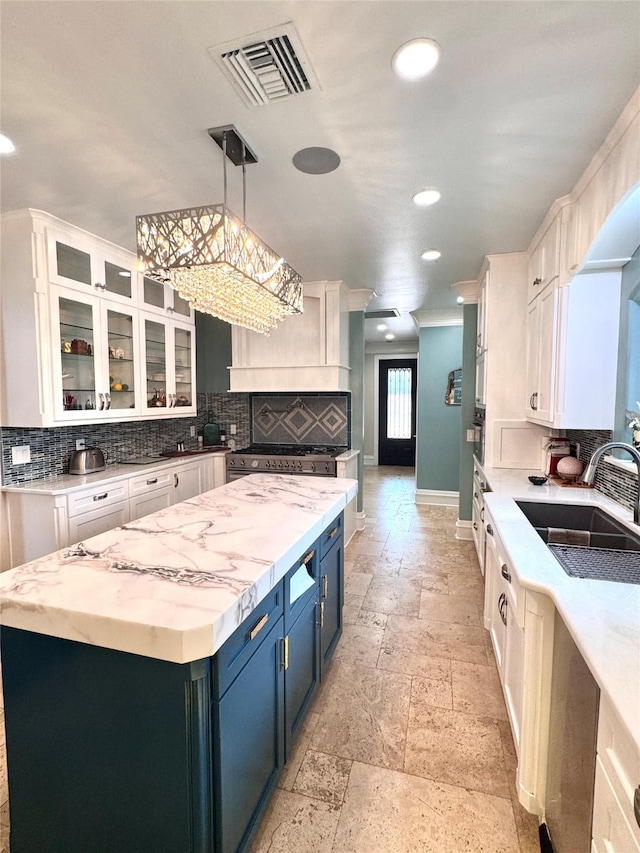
x,y
537,480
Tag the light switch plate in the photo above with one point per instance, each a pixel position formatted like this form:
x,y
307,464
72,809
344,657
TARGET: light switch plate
x,y
470,435
232,429
21,455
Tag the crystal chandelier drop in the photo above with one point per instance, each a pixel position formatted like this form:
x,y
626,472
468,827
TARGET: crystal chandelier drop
x,y
210,257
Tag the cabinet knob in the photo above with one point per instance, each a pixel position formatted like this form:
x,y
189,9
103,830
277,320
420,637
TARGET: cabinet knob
x,y
100,286
537,282
475,526
489,530
506,574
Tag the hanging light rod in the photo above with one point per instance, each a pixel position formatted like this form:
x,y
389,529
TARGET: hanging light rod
x,y
237,149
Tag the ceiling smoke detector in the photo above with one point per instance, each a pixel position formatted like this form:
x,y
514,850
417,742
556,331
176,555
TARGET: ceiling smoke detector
x,y
271,65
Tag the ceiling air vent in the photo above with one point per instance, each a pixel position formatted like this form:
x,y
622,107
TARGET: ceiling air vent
x,y
266,66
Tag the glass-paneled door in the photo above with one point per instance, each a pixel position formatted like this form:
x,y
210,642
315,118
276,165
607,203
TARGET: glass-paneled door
x,y
397,412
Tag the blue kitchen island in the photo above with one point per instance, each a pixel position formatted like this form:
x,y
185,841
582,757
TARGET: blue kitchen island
x,y
155,676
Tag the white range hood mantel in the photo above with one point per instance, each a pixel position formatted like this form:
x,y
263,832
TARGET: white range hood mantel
x,y
306,352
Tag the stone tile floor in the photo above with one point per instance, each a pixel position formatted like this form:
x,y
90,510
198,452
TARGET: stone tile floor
x,y
407,747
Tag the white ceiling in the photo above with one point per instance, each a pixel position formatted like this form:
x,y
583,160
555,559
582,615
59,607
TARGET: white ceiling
x,y
109,105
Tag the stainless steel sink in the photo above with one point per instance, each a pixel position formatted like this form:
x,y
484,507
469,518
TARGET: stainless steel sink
x,y
613,552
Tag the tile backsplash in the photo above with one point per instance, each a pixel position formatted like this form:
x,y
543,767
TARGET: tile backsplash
x,y
318,419
615,483
50,448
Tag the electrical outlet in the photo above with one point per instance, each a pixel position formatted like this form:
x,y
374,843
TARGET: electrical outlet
x,y
470,435
192,432
80,444
21,455
232,429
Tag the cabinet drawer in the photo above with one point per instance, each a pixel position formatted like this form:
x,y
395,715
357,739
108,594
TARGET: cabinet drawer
x,y
331,535
96,521
245,640
612,831
97,496
150,482
620,760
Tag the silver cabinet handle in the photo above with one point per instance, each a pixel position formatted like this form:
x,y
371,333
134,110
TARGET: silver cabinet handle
x,y
489,530
100,285
502,607
107,397
506,574
636,804
101,497
533,401
151,482
176,480
475,526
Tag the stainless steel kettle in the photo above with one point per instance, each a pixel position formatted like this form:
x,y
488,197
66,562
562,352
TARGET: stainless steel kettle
x,y
87,461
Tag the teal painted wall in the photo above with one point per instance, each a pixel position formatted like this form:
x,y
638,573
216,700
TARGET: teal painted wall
x,y
470,315
213,354
356,361
438,427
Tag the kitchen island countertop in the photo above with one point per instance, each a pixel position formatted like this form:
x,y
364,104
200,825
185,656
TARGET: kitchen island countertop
x,y
174,585
603,617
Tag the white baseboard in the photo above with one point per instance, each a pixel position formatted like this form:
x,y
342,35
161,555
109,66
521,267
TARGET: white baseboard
x,y
433,497
463,529
369,460
361,520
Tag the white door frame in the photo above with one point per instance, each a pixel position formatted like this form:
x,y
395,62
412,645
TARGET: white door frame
x,y
376,392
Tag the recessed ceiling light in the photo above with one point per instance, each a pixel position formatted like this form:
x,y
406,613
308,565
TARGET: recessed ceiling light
x,y
381,327
6,145
416,58
431,255
426,197
460,300
389,336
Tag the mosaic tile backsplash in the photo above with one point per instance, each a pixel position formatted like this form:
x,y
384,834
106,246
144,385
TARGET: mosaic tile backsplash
x,y
317,419
51,448
615,483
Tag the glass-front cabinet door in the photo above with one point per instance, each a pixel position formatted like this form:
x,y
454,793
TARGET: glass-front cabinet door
x,y
184,374
77,355
156,364
77,262
169,365
123,359
163,299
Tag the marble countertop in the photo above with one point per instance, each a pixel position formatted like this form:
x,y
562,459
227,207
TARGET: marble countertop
x,y
603,617
62,484
175,584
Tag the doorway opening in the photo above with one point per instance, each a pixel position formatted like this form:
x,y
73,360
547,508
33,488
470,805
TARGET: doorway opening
x,y
397,411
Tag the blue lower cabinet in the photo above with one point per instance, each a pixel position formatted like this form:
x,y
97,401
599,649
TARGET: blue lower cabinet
x,y
248,729
106,751
302,672
331,600
110,751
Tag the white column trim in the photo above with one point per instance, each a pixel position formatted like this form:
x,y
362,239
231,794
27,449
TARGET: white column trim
x,y
463,529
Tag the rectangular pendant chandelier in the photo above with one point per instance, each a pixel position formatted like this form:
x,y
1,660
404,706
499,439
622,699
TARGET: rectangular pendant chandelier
x,y
210,257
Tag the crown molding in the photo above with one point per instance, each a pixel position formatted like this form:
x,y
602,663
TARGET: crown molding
x,y
441,317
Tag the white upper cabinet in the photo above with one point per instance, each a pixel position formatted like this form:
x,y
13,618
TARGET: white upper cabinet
x,y
158,298
73,331
77,260
544,261
305,352
572,353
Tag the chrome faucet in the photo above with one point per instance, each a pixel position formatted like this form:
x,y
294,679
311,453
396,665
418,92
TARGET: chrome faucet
x,y
590,473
